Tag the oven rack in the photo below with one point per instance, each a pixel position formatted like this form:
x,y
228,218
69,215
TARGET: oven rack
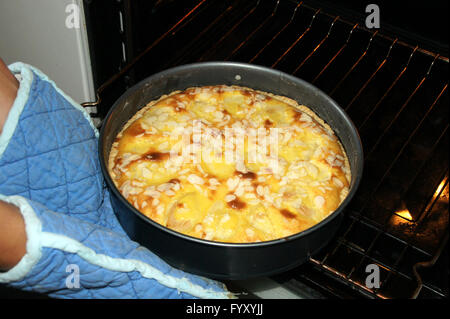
x,y
395,92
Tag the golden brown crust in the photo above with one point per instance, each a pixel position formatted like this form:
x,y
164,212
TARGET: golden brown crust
x,y
264,192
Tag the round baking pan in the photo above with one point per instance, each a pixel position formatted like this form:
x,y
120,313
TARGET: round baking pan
x,y
217,259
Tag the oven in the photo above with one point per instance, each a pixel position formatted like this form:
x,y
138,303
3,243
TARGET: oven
x,y
392,80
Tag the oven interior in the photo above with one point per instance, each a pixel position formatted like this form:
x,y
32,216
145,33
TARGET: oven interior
x,y
392,81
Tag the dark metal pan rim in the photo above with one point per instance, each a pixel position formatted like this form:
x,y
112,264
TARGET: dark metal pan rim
x,y
356,178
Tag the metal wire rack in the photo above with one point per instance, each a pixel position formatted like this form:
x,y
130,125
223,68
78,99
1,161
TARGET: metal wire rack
x,y
395,92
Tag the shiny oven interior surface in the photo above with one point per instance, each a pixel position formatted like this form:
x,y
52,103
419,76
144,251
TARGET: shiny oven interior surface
x,y
393,88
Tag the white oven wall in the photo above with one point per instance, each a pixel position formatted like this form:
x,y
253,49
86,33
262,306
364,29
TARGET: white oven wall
x,y
45,34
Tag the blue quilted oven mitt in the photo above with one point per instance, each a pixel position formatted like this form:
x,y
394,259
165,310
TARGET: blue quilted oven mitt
x,y
75,246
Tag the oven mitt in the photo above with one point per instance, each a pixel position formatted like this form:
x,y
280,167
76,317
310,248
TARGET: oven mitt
x,y
75,246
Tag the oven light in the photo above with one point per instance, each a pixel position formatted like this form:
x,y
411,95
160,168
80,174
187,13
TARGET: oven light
x,y
404,213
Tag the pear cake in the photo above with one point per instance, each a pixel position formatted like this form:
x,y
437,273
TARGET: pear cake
x,y
230,164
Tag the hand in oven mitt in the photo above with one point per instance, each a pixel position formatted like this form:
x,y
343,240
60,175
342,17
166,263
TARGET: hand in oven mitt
x,y
75,247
